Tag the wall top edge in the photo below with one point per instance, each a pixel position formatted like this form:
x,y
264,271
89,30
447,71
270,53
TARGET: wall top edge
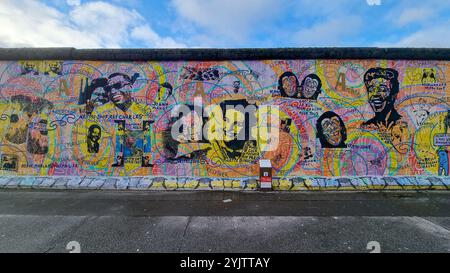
x,y
215,54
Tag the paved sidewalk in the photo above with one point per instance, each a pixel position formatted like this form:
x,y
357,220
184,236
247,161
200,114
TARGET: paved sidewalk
x,y
101,221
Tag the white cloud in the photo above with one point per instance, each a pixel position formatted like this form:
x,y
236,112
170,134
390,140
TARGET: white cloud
x,y
30,23
73,2
329,33
147,35
230,19
321,7
417,24
413,15
373,2
428,37
110,23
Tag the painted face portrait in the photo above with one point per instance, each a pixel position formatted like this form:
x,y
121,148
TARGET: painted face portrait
x,y
421,116
37,138
9,162
130,141
146,162
236,86
146,126
234,124
237,124
55,68
428,76
288,85
382,88
310,87
331,131
99,96
164,92
118,87
133,144
22,110
121,127
380,94
95,136
119,161
96,94
17,131
29,67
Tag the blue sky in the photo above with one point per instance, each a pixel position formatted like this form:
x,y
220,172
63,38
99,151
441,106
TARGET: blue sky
x,y
224,23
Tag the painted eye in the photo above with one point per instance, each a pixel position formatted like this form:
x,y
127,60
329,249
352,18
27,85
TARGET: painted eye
x,y
384,89
14,118
335,120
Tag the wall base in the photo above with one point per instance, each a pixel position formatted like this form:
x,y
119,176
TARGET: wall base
x,y
191,183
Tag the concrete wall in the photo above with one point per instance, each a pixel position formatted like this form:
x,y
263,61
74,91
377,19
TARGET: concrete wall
x,y
340,117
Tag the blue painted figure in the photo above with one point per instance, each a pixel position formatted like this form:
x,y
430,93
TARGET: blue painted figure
x,y
443,162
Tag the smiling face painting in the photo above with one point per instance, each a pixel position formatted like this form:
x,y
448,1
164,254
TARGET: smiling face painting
x,y
310,87
379,91
382,88
118,88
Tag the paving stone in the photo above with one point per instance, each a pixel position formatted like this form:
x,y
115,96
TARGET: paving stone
x,y
187,183
91,183
109,184
170,183
133,182
251,183
158,183
144,183
298,184
48,182
38,181
61,182
204,184
377,183
3,181
27,182
217,184
75,183
13,182
122,183
345,184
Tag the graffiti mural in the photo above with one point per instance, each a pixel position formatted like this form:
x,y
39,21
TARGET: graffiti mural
x,y
338,118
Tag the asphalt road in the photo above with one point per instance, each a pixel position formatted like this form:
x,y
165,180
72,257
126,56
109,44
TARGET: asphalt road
x,y
240,222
